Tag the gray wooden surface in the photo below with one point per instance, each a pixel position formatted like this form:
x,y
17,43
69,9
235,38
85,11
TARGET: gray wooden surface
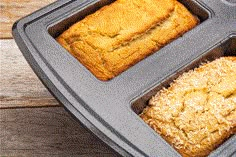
x,y
45,132
32,122
12,10
20,87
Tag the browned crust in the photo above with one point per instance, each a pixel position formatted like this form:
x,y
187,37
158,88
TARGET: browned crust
x,y
198,111
121,34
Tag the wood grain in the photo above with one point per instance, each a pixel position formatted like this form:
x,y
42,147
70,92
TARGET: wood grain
x,y
26,129
12,10
19,86
47,132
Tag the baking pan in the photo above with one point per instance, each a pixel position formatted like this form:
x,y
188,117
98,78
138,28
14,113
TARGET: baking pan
x,y
110,109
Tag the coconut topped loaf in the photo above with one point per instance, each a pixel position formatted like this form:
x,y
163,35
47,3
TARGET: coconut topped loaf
x,y
119,35
198,111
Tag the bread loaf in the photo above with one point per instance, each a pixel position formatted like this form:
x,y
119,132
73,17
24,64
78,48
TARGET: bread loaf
x,y
198,111
119,35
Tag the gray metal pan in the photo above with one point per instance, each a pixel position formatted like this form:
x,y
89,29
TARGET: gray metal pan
x,y
109,109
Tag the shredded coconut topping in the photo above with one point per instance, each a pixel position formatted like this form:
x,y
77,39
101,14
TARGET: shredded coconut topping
x,y
198,111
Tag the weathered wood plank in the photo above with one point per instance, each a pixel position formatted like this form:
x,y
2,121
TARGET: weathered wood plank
x,y
12,10
46,132
35,131
19,86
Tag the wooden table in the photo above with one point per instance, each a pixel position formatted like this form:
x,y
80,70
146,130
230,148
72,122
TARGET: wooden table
x,y
32,122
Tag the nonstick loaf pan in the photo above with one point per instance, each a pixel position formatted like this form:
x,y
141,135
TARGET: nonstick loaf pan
x,y
110,109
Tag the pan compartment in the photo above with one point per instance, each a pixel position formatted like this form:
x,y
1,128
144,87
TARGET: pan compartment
x,y
225,48
55,30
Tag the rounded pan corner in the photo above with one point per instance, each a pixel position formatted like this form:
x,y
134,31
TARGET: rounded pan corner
x,y
14,26
17,28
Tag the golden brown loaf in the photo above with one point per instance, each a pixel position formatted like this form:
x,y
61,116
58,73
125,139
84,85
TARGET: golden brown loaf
x,y
119,35
198,111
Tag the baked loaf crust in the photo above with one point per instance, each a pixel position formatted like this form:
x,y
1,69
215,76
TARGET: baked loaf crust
x,y
119,35
198,111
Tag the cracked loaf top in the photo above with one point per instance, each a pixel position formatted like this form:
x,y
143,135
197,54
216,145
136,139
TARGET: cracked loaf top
x,y
119,35
198,111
